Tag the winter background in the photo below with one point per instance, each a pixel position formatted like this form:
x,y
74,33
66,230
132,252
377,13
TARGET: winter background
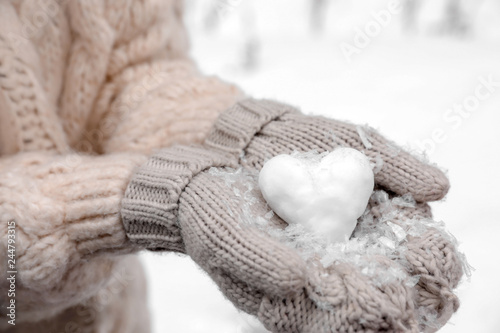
x,y
417,70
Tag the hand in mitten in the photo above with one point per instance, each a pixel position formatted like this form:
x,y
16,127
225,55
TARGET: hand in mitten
x,y
176,201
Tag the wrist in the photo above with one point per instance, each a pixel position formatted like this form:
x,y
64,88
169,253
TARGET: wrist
x,y
150,205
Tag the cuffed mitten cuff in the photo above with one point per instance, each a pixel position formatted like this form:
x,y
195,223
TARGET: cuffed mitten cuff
x,y
149,207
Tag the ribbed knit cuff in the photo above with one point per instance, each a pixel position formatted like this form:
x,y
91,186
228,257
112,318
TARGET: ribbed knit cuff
x,y
91,194
150,205
235,128
74,199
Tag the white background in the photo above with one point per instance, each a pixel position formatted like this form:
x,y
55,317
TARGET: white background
x,y
401,84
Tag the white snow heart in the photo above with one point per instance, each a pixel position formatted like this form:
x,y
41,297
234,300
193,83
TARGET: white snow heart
x,y
326,195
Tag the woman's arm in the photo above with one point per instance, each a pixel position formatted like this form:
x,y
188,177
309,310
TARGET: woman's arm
x,y
65,209
129,84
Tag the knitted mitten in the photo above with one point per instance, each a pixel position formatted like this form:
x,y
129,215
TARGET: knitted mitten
x,y
66,211
179,201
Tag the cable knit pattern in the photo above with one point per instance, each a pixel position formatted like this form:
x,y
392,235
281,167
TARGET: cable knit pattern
x,y
28,120
97,77
93,70
175,191
144,29
52,41
173,103
110,37
87,64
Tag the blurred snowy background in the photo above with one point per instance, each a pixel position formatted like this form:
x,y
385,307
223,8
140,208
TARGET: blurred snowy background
x,y
426,73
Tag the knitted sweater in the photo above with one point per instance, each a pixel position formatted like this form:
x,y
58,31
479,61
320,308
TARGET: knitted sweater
x,y
88,88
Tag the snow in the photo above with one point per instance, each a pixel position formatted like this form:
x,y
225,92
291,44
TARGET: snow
x,y
404,86
325,193
365,139
383,236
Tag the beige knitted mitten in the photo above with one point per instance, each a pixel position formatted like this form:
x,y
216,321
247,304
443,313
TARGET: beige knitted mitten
x,y
177,202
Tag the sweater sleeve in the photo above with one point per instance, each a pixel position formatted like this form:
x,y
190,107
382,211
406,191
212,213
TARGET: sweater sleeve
x,y
155,105
107,38
129,84
102,76
65,212
30,78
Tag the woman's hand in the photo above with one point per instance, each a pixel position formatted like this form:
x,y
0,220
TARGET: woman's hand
x,y
177,202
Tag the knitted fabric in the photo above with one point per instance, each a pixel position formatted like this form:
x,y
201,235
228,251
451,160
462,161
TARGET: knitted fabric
x,y
150,216
108,40
101,76
67,213
175,197
156,105
122,298
27,121
80,78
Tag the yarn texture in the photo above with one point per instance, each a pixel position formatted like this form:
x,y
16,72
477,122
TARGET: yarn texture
x,y
110,141
88,89
175,202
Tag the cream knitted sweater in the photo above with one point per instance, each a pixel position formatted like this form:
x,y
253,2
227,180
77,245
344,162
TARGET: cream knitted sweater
x,y
88,88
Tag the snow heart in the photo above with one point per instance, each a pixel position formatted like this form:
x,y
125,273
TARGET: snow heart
x,y
326,194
